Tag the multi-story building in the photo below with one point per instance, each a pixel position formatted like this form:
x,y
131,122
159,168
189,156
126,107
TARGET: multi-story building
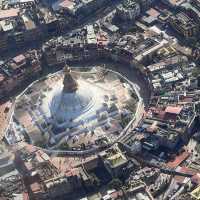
x,y
83,45
17,70
128,10
78,8
192,8
26,24
114,161
173,3
8,22
184,25
145,4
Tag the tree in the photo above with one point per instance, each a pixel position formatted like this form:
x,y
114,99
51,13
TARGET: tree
x,y
64,146
116,184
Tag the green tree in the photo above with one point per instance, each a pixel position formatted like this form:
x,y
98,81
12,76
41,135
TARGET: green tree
x,y
116,184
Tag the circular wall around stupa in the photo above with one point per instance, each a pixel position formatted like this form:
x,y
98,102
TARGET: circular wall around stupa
x,y
94,109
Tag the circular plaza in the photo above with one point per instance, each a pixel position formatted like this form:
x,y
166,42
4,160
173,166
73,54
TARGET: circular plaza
x,y
75,110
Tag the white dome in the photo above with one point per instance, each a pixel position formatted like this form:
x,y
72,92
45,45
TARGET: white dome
x,y
64,107
72,103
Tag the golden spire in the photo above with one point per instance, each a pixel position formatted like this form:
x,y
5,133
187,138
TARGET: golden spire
x,y
70,84
66,70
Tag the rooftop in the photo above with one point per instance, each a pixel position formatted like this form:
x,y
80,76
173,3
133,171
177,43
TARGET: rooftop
x,y
5,14
196,193
115,157
173,110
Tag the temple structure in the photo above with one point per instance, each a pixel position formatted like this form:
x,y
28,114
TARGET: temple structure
x,y
73,102
66,106
70,84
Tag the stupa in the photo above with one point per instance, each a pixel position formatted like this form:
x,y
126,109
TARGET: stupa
x,y
83,105
71,101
